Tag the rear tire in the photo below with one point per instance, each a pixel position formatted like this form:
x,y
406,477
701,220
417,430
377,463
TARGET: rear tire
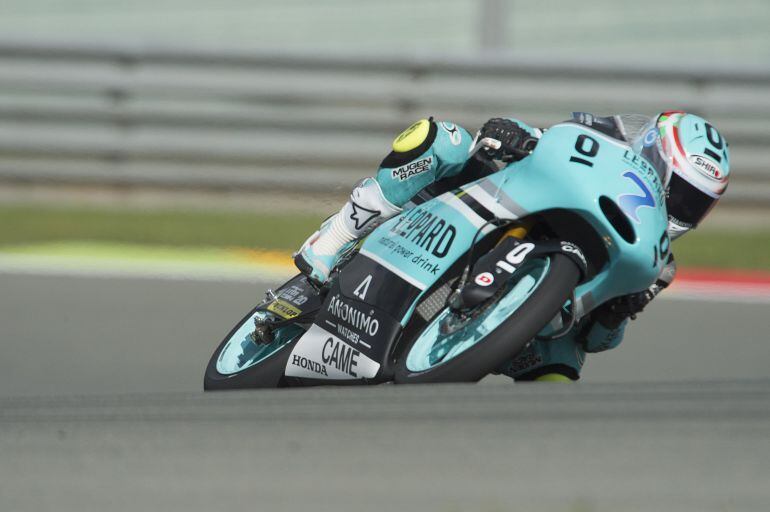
x,y
508,339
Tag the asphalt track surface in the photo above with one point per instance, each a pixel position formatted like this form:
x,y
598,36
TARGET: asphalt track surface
x,y
101,409
65,335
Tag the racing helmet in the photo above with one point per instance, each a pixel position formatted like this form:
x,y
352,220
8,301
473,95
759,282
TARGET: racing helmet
x,y
693,161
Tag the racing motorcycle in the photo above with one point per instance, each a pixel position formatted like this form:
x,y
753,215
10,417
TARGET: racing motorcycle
x,y
457,285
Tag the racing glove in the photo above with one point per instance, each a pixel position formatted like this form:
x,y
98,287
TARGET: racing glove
x,y
607,323
515,142
613,312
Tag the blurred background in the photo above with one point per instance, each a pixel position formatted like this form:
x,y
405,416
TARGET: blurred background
x,y
159,160
113,112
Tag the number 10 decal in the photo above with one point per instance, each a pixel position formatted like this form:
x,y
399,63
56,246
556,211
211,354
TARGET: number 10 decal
x,y
586,146
515,256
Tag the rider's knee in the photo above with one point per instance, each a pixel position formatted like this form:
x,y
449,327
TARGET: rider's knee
x,y
554,377
550,373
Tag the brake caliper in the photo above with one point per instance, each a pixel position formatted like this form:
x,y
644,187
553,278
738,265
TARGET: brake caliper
x,y
297,301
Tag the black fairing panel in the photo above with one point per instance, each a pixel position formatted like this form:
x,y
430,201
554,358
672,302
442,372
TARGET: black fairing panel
x,y
364,279
569,226
365,295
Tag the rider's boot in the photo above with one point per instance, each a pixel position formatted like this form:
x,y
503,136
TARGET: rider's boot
x,y
365,210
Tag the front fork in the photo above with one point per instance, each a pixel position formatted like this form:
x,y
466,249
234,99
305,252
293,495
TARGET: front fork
x,y
518,231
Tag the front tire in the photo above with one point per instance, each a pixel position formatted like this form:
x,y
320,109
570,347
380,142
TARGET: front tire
x,y
239,363
487,352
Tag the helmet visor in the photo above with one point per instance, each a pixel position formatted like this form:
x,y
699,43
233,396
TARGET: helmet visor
x,y
686,204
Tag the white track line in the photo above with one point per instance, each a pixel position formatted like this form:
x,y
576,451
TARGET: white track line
x,y
210,272
165,270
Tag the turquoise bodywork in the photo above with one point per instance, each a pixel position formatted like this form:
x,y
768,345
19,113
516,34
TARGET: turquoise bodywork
x,y
570,169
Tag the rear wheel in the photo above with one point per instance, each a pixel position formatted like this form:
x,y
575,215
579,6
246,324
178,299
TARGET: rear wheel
x,y
495,333
239,362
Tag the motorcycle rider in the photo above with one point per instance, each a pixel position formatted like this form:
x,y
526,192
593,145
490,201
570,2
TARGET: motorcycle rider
x,y
690,155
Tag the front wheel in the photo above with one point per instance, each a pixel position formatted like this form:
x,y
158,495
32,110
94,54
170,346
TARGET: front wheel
x,y
495,335
239,362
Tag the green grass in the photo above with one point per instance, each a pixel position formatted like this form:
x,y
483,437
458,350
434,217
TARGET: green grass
x,y
712,248
24,225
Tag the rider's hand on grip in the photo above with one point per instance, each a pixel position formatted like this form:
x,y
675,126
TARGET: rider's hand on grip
x,y
515,142
630,305
613,312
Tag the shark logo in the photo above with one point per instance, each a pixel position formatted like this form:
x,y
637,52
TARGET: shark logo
x,y
362,216
630,203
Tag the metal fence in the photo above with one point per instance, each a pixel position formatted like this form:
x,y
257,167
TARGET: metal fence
x,y
180,117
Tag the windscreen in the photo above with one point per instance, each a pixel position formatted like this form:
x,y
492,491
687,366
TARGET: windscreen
x,y
645,140
638,130
633,125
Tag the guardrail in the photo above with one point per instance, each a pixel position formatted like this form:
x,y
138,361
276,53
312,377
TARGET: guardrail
x,y
180,117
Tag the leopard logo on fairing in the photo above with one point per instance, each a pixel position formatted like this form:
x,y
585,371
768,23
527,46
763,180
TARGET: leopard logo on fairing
x,y
427,231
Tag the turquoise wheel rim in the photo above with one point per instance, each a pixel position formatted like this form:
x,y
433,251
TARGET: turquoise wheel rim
x,y
432,349
241,352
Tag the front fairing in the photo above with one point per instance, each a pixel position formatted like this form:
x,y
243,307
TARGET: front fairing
x,y
561,175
